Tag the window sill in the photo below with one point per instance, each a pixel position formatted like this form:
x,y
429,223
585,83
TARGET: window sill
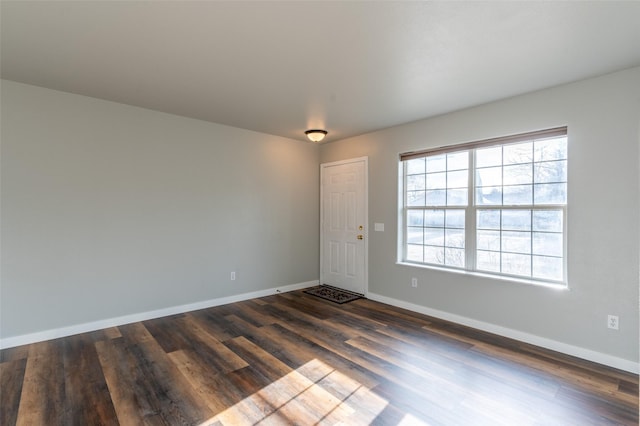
x,y
550,285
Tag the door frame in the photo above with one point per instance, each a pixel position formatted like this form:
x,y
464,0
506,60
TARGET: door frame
x,y
323,166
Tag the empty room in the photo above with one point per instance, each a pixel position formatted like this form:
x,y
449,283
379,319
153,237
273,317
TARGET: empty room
x,y
319,212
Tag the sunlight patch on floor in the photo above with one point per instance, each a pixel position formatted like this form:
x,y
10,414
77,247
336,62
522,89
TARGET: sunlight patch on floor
x,y
313,393
411,420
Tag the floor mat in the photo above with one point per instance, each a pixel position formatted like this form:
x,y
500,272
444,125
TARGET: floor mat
x,y
333,294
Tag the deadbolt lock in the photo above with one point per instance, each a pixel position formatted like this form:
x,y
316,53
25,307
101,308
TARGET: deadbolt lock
x,y
360,227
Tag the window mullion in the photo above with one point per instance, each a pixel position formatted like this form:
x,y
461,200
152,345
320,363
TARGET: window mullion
x,y
470,216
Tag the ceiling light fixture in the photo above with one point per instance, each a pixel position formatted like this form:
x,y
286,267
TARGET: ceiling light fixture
x,y
316,135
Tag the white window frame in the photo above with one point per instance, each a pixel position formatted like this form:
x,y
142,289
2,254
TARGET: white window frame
x,y
471,210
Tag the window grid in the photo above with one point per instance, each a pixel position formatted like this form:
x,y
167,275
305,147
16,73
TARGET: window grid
x,y
436,236
534,239
433,225
528,252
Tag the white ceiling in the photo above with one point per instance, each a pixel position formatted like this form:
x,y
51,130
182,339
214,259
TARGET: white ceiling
x,y
282,67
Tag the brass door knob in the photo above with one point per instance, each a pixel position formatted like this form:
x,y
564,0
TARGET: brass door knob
x,y
361,237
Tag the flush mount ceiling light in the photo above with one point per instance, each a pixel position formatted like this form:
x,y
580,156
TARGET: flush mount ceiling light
x,y
316,135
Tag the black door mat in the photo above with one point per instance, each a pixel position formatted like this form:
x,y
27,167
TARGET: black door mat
x,y
333,294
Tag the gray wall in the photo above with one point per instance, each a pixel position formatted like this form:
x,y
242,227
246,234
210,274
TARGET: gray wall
x,y
603,116
110,210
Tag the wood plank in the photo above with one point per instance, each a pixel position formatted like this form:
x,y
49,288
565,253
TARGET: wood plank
x,y
212,352
87,398
249,410
629,388
120,373
167,332
251,313
11,379
14,354
208,383
215,324
112,333
42,400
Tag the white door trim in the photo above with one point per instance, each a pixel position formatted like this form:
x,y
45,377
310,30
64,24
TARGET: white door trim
x,y
323,166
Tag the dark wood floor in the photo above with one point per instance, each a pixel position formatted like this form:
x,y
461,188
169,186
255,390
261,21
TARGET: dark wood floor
x,y
296,359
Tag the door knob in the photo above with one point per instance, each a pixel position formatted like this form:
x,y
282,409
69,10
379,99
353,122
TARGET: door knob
x,y
360,237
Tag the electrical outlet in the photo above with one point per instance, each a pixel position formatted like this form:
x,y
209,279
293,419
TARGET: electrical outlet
x,y
613,322
414,282
233,275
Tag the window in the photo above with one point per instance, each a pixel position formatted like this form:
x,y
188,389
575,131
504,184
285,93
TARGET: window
x,y
495,207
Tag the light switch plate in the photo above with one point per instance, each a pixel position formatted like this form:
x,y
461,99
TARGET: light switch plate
x,y
378,227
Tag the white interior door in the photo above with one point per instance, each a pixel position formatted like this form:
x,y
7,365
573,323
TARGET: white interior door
x,y
343,236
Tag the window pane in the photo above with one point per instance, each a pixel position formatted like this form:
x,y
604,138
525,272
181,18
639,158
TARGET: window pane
x,y
458,161
415,166
457,179
436,197
550,171
488,240
414,253
487,157
454,257
518,153
489,196
488,261
517,195
547,268
437,180
415,218
415,182
488,219
415,235
551,193
490,176
547,220
518,174
455,218
457,197
415,198
434,218
437,163
550,149
516,220
454,238
548,244
434,236
516,264
516,242
434,255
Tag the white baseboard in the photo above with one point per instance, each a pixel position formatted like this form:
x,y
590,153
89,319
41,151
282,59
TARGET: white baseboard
x,y
554,345
41,336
